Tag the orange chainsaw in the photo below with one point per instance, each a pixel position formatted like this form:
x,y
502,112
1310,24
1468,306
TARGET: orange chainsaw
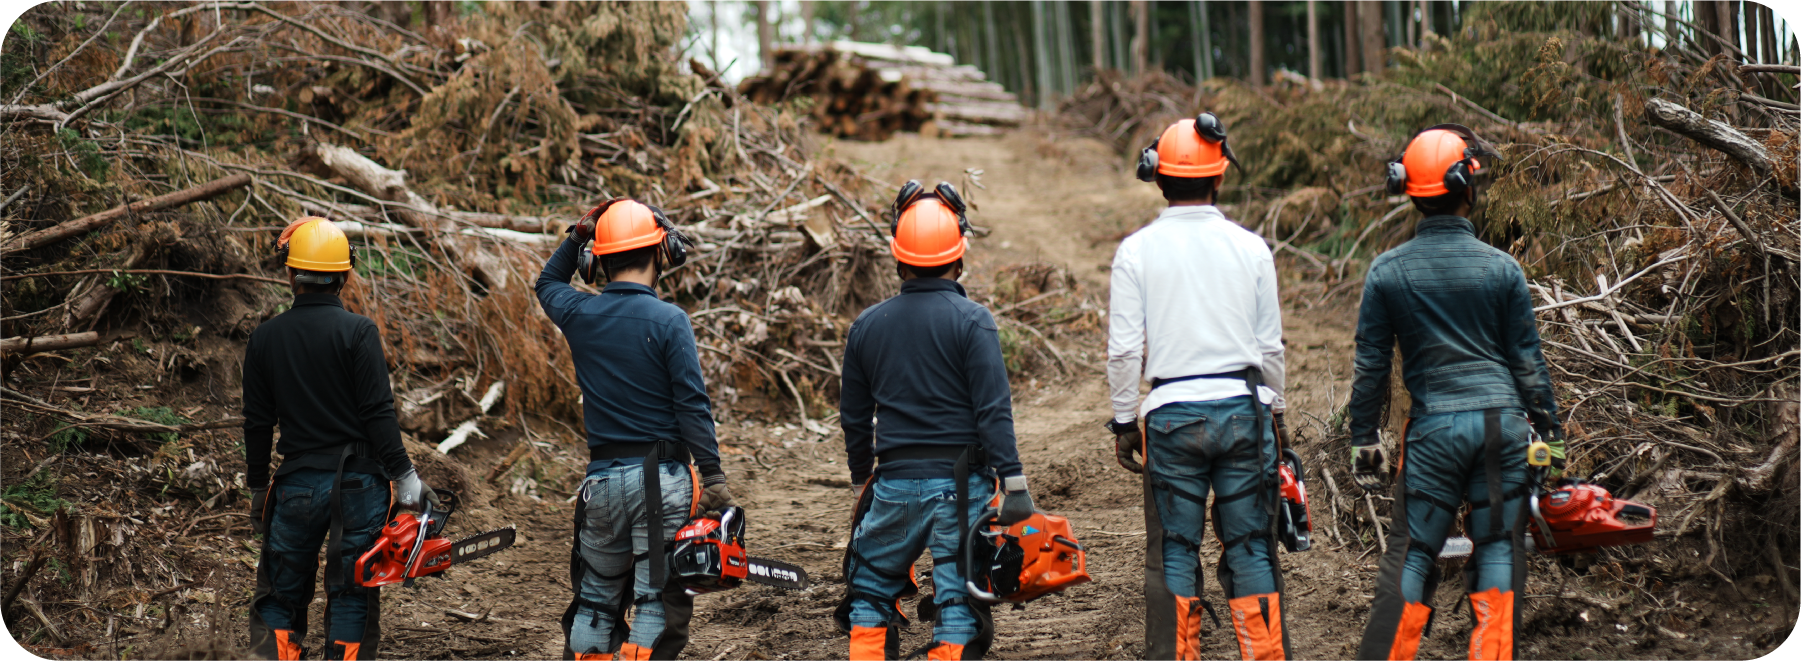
x,y
1024,561
412,545
1578,516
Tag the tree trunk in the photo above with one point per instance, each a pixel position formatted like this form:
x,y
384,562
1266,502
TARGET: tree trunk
x,y
1707,16
1070,51
1717,135
206,191
1353,44
1141,36
1375,54
991,42
1206,37
1427,26
938,26
1041,57
850,16
1097,34
15,345
765,36
1767,34
1313,48
713,26
807,10
1407,26
1256,59
805,17
1750,47
1729,21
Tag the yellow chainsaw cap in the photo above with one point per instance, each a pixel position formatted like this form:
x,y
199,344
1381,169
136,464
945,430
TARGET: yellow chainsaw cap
x,y
315,244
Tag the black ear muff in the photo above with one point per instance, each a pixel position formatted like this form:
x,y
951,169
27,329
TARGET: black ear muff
x,y
909,193
1208,125
1397,177
948,194
1147,162
1457,177
587,266
675,243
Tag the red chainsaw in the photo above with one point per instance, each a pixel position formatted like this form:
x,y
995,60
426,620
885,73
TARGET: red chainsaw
x,y
708,556
412,545
1576,517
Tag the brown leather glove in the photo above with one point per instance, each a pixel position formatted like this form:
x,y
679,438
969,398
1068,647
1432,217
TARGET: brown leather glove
x,y
716,497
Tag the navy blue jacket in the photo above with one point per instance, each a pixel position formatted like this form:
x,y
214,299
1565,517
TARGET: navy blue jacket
x,y
1460,309
636,362
928,363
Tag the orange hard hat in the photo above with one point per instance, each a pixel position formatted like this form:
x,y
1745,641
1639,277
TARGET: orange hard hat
x,y
928,234
1431,155
625,225
1182,152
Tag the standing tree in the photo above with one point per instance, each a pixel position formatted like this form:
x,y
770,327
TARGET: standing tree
x,y
1369,14
1097,34
765,36
1256,30
1313,46
1141,36
1353,49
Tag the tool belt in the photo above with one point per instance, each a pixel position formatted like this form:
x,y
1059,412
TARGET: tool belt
x,y
664,450
978,458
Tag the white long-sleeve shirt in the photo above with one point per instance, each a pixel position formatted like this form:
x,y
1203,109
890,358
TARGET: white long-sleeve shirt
x,y
1198,293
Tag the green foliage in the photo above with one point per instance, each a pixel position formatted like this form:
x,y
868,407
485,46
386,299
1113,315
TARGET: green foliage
x,y
62,571
37,494
394,260
125,282
1013,349
85,153
139,346
67,436
161,415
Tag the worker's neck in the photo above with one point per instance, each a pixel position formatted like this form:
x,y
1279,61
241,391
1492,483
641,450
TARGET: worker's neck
x,y
646,276
1203,202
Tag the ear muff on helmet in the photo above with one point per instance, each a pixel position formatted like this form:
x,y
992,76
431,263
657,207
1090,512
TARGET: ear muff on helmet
x,y
1460,176
587,265
912,192
1147,161
1212,129
909,193
671,253
674,251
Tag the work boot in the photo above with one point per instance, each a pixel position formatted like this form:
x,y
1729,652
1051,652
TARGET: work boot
x,y
343,650
632,652
1492,638
1414,617
1257,622
874,643
287,646
1188,628
944,651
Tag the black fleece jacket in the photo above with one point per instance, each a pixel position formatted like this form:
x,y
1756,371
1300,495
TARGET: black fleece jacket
x,y
317,371
928,364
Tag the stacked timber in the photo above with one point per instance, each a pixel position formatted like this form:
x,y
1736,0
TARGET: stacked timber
x,y
868,91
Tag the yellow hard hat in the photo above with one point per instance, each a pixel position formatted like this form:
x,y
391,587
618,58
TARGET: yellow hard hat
x,y
315,244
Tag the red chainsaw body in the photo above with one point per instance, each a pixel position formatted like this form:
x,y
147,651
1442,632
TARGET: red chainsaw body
x,y
1582,516
1296,514
709,553
386,563
1054,561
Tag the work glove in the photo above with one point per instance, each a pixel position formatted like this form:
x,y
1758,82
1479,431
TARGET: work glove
x,y
1127,440
1366,466
856,493
1554,439
715,497
583,229
411,494
1281,430
1016,501
259,498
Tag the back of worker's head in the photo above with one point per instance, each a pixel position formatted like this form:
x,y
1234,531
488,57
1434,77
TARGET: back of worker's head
x,y
629,235
928,235
318,255
1440,169
1188,160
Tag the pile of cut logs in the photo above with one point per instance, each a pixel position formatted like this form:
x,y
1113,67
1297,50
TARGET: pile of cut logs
x,y
868,91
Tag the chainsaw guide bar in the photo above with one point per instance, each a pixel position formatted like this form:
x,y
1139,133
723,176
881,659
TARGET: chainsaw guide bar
x,y
482,545
776,573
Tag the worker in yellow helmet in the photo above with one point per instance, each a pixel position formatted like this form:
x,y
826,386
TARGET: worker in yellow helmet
x,y
317,372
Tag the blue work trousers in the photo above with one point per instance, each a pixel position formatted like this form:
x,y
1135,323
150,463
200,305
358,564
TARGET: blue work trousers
x,y
1195,447
300,518
906,518
614,545
1446,461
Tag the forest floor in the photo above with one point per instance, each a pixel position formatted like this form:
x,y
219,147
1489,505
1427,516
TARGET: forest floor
x,y
1047,198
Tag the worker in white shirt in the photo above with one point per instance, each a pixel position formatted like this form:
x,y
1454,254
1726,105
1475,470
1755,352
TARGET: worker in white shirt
x,y
1198,292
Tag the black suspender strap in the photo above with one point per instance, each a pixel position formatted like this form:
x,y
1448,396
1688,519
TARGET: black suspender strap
x,y
1234,374
1491,444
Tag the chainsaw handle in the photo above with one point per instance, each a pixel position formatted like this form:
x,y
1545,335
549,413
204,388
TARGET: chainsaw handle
x,y
1538,487
969,564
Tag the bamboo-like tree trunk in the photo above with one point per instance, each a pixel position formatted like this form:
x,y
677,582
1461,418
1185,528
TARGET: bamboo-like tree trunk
x,y
1707,17
765,36
807,10
1375,55
1097,34
1427,25
1750,46
1353,44
1256,30
1206,37
1767,34
1313,46
991,43
1116,20
1729,21
1041,63
1069,49
1141,36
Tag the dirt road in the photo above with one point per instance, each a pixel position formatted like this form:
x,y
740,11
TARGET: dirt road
x,y
1062,201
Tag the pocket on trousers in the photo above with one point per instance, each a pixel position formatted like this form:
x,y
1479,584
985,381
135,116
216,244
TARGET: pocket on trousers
x,y
366,507
885,525
597,506
292,516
